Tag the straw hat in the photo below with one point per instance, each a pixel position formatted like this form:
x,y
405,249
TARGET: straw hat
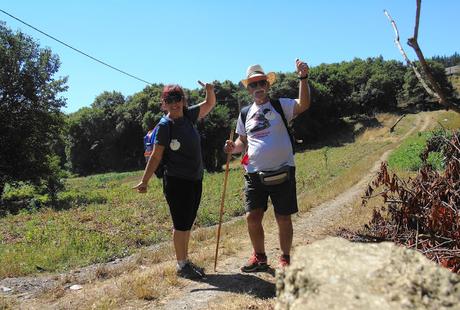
x,y
255,73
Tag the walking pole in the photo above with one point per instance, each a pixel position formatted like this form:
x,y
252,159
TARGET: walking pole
x,y
229,155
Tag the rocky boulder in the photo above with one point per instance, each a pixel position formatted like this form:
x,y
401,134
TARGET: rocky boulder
x,y
337,274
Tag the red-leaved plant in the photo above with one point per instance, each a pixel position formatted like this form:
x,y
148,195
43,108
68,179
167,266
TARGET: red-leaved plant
x,y
422,213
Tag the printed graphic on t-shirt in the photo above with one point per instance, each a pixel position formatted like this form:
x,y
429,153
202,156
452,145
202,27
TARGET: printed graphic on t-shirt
x,y
260,120
269,146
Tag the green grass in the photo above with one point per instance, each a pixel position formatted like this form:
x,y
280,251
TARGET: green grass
x,y
59,240
406,158
116,221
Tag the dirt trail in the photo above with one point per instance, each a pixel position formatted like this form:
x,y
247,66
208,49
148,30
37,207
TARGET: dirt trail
x,y
308,227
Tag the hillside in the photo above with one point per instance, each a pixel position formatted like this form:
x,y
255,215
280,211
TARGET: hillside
x,y
147,279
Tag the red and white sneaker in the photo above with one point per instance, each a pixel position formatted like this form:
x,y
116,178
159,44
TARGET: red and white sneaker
x,y
257,262
285,260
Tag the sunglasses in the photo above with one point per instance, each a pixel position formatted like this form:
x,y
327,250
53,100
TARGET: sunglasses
x,y
173,98
261,83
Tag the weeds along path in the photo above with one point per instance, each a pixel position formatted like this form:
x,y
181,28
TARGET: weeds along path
x,y
125,288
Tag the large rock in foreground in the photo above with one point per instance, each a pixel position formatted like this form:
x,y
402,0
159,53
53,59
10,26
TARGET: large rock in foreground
x,y
336,274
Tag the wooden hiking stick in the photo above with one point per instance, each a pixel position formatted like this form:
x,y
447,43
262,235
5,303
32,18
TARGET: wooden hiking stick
x,y
229,155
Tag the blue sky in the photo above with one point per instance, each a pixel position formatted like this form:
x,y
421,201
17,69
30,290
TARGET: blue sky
x,y
185,41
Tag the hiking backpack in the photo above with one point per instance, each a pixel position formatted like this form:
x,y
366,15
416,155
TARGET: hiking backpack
x,y
149,141
276,104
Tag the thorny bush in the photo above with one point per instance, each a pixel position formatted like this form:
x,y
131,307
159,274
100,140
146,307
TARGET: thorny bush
x,y
422,213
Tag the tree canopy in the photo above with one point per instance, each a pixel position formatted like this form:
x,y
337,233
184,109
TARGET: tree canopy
x,y
37,139
30,108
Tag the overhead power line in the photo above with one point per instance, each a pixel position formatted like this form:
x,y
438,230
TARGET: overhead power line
x,y
75,49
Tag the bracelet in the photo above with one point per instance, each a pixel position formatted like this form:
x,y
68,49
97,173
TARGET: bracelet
x,y
303,77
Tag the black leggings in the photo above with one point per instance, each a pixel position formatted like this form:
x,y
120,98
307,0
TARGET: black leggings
x,y
183,197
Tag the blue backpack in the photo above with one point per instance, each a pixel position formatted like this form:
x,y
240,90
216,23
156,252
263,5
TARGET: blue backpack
x,y
149,142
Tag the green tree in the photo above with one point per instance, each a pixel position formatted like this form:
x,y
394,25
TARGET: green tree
x,y
102,140
448,61
30,116
214,130
108,100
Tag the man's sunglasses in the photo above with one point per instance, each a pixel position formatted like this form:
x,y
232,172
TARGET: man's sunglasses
x,y
173,98
261,83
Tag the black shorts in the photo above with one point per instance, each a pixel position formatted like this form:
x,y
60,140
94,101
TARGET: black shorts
x,y
283,196
183,197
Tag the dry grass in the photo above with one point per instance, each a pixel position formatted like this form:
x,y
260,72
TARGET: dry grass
x,y
357,216
105,303
102,272
7,303
455,80
67,278
55,293
340,184
140,287
229,246
238,301
386,120
161,253
150,284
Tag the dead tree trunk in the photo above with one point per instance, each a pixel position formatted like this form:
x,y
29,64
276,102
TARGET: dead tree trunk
x,y
408,61
429,84
412,42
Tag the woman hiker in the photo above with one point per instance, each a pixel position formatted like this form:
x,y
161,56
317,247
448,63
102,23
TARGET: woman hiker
x,y
177,142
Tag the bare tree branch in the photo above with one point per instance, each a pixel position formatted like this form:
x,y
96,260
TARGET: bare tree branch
x,y
426,70
431,86
412,42
417,19
409,63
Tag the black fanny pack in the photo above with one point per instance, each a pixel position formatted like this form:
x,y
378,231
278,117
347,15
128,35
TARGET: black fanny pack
x,y
275,177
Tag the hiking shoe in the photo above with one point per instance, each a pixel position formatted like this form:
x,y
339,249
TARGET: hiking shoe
x,y
191,271
285,260
197,269
257,262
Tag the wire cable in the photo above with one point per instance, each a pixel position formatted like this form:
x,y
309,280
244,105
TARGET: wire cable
x,y
75,49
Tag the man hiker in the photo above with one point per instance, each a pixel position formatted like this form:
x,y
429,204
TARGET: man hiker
x,y
269,160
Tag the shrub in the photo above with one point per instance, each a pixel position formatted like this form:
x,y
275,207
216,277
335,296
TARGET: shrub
x,y
422,213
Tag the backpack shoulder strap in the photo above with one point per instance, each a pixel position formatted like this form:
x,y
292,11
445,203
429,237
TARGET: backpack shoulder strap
x,y
153,134
168,124
278,108
244,114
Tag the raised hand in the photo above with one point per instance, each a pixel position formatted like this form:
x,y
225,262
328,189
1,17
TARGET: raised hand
x,y
301,68
207,86
210,100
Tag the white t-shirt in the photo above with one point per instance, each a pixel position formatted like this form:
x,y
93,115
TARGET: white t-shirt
x,y
269,145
